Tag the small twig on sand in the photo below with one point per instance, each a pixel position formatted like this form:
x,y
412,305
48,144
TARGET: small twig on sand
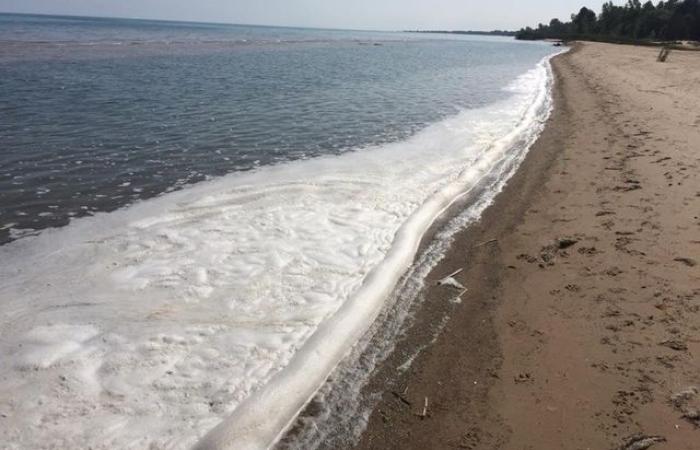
x,y
486,243
401,397
424,414
663,55
454,273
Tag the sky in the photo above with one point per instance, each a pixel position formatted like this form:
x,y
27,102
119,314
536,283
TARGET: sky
x,y
349,14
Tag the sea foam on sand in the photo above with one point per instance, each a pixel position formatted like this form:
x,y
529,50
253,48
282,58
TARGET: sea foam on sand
x,y
228,303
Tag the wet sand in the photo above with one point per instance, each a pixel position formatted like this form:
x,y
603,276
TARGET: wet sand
x,y
581,324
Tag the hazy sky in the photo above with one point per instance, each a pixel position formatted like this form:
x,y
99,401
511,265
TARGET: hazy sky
x,y
359,14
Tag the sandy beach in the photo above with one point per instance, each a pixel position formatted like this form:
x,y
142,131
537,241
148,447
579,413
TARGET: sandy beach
x,y
580,326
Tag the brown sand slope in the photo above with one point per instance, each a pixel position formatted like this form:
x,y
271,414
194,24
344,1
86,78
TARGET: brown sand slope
x,y
581,327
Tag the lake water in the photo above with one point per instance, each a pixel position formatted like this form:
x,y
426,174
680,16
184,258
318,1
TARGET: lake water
x,y
198,219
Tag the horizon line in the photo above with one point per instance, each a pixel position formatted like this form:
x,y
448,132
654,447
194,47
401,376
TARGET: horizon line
x,y
197,22
146,19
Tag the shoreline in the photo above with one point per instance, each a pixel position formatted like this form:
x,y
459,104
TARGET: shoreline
x,y
312,426
521,352
481,361
291,390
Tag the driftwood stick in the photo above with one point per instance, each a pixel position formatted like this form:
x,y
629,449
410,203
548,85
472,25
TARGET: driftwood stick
x,y
454,273
663,55
445,278
486,243
401,397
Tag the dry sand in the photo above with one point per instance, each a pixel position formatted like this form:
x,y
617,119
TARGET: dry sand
x,y
581,326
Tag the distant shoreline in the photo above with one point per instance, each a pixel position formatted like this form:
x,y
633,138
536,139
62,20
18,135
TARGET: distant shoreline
x,y
468,32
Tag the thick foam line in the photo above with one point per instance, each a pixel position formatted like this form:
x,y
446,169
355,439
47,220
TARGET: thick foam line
x,y
264,417
213,314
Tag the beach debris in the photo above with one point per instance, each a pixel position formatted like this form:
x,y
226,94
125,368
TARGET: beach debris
x,y
630,186
687,261
456,272
458,299
450,281
424,413
673,344
400,396
641,442
564,243
663,54
481,244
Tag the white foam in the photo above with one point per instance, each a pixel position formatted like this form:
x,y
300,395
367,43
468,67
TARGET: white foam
x,y
231,300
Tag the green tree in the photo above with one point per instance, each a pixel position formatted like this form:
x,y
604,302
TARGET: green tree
x,y
585,21
667,20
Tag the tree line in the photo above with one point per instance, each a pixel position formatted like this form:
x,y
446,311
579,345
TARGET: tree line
x,y
468,32
671,20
